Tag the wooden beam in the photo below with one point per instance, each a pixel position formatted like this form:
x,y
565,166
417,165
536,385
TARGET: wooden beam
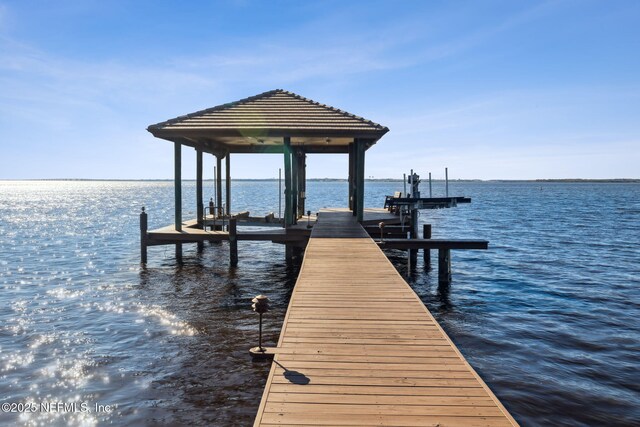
x,y
288,213
194,134
199,202
434,244
177,184
228,182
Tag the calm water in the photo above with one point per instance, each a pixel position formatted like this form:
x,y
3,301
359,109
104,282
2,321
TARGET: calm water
x,y
549,316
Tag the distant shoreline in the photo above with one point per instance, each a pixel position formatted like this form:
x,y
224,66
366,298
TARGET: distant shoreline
x,y
560,180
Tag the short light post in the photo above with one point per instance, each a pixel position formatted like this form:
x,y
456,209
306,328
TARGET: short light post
x,y
308,219
381,225
260,305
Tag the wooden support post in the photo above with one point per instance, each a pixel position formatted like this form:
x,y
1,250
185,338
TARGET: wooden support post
x,y
426,234
177,184
288,252
413,234
446,182
199,202
179,253
233,242
218,186
360,149
302,181
288,213
352,173
228,182
444,266
143,236
294,184
430,189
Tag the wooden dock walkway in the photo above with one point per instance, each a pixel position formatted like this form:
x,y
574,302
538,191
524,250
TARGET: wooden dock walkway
x,y
359,348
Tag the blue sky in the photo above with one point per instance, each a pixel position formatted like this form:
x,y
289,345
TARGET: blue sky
x,y
490,89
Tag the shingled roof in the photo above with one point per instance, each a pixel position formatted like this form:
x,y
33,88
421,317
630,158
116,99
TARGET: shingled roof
x,y
258,124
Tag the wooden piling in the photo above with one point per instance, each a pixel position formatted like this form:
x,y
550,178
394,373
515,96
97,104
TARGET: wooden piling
x,y
444,266
295,190
426,234
143,236
199,203
179,253
302,182
177,183
288,252
352,174
288,213
218,186
430,188
228,182
233,242
178,195
360,150
446,182
413,234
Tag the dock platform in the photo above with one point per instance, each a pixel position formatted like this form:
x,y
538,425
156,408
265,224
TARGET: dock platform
x,y
359,348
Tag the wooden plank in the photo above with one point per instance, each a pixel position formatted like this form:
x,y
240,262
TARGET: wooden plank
x,y
326,371
359,348
271,418
378,390
301,365
345,399
393,409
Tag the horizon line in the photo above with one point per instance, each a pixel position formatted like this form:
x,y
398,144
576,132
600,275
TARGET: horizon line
x,y
338,179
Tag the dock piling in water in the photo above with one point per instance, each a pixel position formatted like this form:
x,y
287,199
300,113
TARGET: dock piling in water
x,y
426,234
444,266
143,236
233,242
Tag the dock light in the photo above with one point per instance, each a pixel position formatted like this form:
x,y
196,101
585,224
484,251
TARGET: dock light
x,y
381,225
308,219
260,305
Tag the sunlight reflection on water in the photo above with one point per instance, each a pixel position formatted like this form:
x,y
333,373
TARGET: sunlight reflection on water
x,y
548,315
